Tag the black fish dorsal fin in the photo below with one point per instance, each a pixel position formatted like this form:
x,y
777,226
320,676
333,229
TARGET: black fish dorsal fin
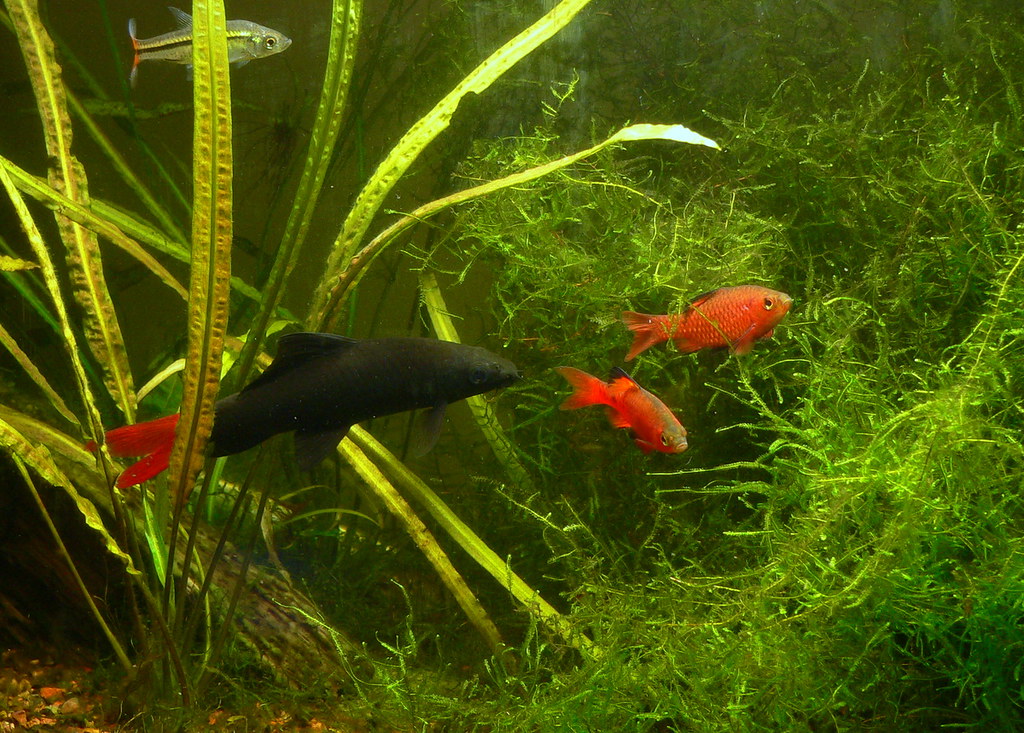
x,y
297,349
618,372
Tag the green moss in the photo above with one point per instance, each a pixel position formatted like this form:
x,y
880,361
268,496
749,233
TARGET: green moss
x,y
842,545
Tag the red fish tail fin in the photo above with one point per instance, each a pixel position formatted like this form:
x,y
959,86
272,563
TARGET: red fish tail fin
x,y
135,47
152,440
647,331
145,469
589,390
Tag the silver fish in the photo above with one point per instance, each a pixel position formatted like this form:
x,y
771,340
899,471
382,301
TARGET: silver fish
x,y
246,41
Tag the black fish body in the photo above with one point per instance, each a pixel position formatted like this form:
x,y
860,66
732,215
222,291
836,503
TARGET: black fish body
x,y
319,385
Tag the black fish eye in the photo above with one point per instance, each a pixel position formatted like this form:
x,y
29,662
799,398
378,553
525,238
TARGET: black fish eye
x,y
769,303
271,42
478,375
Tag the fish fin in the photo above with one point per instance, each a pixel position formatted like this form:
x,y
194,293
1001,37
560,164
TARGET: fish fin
x,y
426,435
313,446
183,19
240,63
145,469
188,71
700,299
133,74
617,419
296,349
152,440
589,390
647,331
684,345
743,344
643,445
620,373
621,383
142,438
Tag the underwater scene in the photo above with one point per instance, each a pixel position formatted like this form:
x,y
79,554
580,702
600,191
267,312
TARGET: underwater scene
x,y
512,365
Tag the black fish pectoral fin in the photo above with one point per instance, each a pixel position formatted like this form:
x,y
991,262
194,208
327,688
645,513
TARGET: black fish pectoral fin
x,y
297,349
312,447
425,436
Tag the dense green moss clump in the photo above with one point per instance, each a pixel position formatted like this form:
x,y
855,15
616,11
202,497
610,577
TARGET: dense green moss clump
x,y
842,546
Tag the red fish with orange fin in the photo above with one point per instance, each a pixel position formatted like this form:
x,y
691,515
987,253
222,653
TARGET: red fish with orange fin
x,y
732,318
629,406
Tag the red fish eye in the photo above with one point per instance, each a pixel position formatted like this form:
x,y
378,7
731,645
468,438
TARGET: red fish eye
x,y
769,303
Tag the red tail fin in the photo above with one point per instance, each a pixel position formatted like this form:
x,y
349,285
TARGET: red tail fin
x,y
135,49
589,390
647,331
152,440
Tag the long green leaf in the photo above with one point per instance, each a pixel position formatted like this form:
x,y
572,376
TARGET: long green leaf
x,y
37,456
122,168
358,263
424,540
87,216
482,410
210,273
103,334
8,341
472,544
70,340
345,18
408,149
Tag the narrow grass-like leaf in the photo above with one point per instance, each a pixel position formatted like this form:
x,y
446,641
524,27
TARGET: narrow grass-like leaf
x,y
472,544
67,333
326,298
103,334
482,411
358,263
211,241
424,540
120,165
91,519
341,54
36,376
36,455
86,215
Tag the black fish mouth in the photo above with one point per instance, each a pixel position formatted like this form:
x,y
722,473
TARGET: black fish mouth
x,y
493,394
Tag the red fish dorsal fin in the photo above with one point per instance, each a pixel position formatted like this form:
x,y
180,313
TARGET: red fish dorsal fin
x,y
702,298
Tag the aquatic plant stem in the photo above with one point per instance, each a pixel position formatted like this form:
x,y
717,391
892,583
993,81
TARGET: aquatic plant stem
x,y
324,309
